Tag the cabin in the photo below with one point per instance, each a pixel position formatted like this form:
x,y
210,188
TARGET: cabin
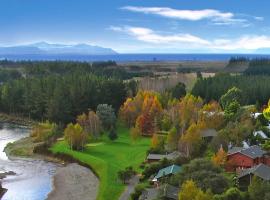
x,y
245,176
166,172
157,157
241,158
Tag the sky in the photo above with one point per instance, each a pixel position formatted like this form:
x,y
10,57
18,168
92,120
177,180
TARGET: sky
x,y
140,26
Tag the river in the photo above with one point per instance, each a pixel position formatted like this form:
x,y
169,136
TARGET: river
x,y
33,177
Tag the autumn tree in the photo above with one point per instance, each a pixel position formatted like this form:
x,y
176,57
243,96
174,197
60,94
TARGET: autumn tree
x,y
189,191
219,159
266,111
149,118
155,141
191,140
75,136
43,131
135,134
189,107
90,123
172,139
211,114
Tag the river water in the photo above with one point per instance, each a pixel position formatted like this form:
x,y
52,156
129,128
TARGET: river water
x,y
33,177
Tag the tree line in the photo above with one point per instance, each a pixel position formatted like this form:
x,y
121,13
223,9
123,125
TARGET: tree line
x,y
256,89
109,69
60,98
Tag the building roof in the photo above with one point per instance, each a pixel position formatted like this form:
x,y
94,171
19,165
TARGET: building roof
x,y
167,191
155,156
173,169
209,133
252,152
261,134
261,170
170,191
170,156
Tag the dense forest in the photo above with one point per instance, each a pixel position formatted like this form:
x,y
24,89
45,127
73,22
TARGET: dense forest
x,y
60,98
258,67
255,88
16,69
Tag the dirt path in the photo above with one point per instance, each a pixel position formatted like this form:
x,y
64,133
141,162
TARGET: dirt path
x,y
74,182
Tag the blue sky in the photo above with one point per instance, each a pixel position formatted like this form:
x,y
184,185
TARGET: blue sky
x,y
140,26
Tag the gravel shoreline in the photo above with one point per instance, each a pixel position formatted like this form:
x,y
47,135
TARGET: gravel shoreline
x,y
74,182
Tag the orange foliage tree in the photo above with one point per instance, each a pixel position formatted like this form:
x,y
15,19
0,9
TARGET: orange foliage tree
x,y
220,158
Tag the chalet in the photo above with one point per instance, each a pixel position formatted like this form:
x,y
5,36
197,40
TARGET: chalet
x,y
166,172
157,157
242,158
245,176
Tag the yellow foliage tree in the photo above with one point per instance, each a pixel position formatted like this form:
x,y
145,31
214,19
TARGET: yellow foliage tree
x,y
154,141
189,191
189,107
211,115
135,133
75,136
191,139
266,111
43,131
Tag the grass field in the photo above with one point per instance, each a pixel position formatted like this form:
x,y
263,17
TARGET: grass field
x,y
106,158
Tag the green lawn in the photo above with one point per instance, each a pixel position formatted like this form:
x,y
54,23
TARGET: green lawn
x,y
106,158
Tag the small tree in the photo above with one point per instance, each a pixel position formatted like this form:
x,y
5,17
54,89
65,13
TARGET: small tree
x,y
107,116
75,136
125,175
233,94
113,134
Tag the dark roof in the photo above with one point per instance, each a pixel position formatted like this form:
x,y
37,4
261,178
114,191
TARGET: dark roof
x,y
234,150
149,194
209,133
252,152
173,169
170,191
167,191
170,156
155,156
261,170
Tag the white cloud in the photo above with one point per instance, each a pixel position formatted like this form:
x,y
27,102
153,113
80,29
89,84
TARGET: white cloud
x,y
150,36
189,41
216,16
245,42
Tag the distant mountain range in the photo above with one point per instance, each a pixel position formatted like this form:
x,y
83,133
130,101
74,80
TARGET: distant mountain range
x,y
43,48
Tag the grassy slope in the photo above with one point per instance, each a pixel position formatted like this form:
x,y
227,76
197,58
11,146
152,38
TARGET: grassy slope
x,y
107,158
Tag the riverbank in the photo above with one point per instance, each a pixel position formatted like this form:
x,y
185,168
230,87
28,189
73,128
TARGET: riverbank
x,y
74,182
71,181
15,119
